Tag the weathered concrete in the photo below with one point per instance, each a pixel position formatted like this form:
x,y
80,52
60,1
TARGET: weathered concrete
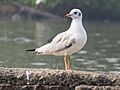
x,y
87,87
47,79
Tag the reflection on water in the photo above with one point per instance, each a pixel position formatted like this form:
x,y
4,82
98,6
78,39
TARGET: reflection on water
x,y
37,63
17,40
102,52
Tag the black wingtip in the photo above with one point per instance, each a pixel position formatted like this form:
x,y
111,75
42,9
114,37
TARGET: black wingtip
x,y
30,50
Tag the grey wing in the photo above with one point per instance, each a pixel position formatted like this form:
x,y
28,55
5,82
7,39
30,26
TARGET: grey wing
x,y
62,41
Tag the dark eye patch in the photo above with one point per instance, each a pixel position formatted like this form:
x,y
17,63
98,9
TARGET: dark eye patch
x,y
75,12
79,14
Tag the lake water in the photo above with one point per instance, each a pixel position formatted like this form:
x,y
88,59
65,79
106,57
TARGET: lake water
x,y
101,53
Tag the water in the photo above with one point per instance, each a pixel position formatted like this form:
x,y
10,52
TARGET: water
x,y
101,53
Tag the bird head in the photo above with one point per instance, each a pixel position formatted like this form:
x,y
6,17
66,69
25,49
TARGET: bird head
x,y
74,14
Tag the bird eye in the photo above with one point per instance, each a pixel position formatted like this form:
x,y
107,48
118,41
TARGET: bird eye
x,y
75,12
79,14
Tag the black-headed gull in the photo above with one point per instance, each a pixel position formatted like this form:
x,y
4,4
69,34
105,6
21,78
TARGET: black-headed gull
x,y
68,42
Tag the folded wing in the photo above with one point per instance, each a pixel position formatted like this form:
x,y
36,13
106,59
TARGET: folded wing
x,y
61,42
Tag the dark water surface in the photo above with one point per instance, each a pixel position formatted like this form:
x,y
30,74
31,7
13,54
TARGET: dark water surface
x,y
101,53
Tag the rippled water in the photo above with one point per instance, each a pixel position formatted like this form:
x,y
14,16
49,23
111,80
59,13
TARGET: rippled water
x,y
101,53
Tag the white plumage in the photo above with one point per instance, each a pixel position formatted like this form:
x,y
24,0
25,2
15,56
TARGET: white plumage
x,y
75,37
68,42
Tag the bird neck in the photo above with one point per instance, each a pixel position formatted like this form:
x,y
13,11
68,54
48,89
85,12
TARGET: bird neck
x,y
76,25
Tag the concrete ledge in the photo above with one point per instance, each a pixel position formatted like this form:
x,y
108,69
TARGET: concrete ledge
x,y
47,79
87,87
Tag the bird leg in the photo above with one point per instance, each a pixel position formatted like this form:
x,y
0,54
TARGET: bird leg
x,y
65,62
69,64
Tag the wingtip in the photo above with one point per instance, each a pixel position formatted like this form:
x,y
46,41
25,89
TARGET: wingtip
x,y
30,50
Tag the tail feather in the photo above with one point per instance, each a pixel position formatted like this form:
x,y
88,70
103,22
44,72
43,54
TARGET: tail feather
x,y
30,50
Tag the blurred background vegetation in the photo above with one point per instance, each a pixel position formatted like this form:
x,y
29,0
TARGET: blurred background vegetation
x,y
92,9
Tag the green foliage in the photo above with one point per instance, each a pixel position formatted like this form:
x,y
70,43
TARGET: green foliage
x,y
53,3
111,7
96,4
25,2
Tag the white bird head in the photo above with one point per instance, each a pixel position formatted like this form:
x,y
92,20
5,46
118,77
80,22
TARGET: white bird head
x,y
75,14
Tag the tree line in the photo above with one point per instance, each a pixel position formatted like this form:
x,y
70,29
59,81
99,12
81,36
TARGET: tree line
x,y
93,9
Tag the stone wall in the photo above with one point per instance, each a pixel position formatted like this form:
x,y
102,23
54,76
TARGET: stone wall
x,y
47,79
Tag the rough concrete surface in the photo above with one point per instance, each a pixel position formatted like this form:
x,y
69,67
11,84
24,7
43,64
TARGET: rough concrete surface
x,y
86,87
48,79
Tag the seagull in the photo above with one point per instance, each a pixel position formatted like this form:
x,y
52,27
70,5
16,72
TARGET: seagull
x,y
67,42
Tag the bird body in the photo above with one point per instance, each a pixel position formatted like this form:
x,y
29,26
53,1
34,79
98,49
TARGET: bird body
x,y
67,42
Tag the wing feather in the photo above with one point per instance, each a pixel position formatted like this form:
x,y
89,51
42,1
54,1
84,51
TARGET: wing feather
x,y
61,42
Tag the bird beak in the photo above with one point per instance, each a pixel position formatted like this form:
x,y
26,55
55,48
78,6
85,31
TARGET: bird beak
x,y
68,15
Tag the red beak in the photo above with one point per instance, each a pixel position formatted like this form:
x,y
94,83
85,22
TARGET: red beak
x,y
68,15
